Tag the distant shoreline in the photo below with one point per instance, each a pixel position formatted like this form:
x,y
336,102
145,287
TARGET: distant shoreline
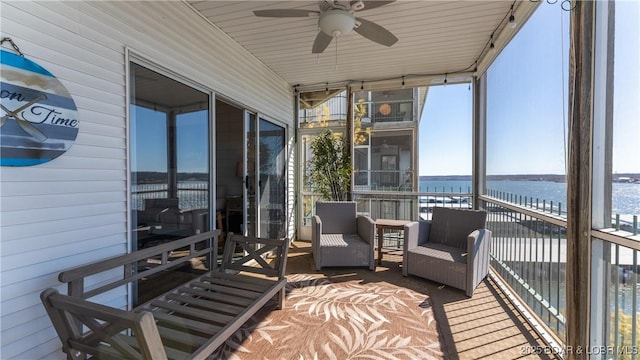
x,y
617,178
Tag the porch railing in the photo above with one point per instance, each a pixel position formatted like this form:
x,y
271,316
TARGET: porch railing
x,y
383,180
529,253
334,109
388,111
615,316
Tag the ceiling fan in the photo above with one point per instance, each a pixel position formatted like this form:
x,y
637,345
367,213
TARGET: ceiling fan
x,y
338,18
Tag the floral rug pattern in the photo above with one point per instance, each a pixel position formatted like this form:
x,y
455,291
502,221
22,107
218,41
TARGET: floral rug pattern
x,y
336,318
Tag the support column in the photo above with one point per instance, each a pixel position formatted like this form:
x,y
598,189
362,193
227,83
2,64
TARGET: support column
x,y
479,169
579,178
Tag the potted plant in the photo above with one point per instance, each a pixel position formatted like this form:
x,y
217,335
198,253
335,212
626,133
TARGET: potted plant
x,y
330,166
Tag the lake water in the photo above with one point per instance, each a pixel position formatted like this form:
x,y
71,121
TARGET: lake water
x,y
626,196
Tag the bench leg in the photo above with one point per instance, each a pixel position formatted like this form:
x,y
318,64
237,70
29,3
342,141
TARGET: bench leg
x,y
280,296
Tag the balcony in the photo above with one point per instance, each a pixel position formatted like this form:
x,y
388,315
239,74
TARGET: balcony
x,y
386,111
383,180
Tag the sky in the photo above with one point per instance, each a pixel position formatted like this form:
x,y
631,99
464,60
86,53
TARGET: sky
x,y
526,113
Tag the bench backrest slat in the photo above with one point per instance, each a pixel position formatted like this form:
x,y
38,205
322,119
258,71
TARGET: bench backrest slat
x,y
208,242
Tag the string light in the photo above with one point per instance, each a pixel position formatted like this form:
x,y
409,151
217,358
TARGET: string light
x,y
512,19
508,16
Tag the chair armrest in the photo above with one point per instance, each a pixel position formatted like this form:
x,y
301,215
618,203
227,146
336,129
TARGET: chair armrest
x,y
416,233
366,228
478,242
411,232
316,228
478,258
316,232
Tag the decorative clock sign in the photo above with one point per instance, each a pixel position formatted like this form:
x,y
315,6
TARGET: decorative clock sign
x,y
39,119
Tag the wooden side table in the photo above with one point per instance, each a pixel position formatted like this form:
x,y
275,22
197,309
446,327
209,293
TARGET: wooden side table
x,y
390,224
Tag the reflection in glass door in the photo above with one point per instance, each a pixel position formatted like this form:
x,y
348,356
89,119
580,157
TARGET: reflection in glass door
x,y
271,175
264,178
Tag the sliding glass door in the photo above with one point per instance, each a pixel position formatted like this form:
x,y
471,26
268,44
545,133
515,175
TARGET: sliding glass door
x,y
169,151
265,180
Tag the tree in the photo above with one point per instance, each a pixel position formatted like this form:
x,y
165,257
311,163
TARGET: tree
x,y
330,166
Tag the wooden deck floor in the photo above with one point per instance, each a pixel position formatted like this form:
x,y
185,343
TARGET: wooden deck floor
x,y
486,326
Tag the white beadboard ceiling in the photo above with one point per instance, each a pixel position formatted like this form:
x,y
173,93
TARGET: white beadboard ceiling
x,y
435,37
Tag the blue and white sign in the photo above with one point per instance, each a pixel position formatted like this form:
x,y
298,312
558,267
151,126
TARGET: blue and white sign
x,y
39,119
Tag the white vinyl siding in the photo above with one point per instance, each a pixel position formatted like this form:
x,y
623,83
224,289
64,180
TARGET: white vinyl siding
x,y
72,210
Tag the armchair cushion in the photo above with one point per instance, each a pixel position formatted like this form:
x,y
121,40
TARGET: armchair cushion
x,y
442,252
342,240
338,217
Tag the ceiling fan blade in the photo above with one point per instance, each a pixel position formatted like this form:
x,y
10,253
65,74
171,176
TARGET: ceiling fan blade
x,y
321,42
373,4
284,13
375,32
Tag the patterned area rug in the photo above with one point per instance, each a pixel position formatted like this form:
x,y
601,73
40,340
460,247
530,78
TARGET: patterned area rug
x,y
339,317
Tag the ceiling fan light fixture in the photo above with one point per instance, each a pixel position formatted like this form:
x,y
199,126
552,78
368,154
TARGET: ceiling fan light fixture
x,y
336,22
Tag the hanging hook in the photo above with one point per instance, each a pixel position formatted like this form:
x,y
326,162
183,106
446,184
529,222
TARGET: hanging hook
x,y
15,47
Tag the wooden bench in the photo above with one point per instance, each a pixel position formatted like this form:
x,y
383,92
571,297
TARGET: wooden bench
x,y
187,322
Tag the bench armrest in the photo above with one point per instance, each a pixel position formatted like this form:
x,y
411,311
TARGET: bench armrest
x,y
106,325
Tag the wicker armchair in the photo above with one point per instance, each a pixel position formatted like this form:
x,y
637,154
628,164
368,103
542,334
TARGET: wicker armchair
x,y
340,237
452,248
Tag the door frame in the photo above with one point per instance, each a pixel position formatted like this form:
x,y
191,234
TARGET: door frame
x,y
254,181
